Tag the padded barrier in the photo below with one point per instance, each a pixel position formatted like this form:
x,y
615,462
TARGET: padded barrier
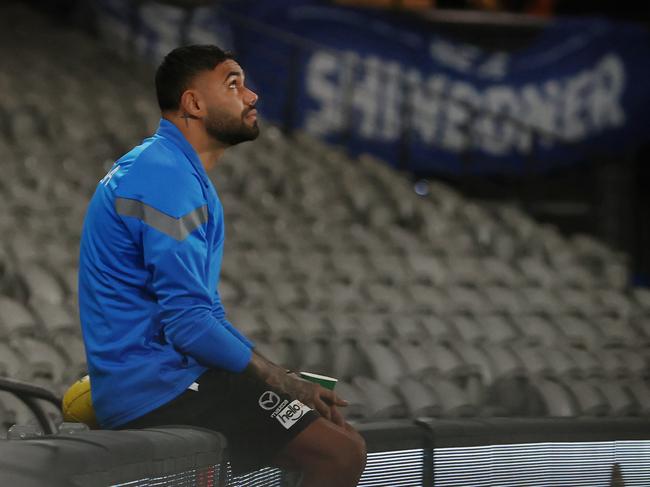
x,y
500,431
478,452
164,456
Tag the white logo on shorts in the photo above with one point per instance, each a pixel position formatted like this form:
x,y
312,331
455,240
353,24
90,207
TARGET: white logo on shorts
x,y
292,413
268,400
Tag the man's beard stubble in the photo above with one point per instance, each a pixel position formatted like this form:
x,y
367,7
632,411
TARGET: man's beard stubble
x,y
228,129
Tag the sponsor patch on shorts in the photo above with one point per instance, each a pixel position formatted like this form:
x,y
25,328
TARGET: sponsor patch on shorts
x,y
292,413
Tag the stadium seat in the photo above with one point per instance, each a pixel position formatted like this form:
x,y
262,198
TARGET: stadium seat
x,y
281,325
533,360
348,361
287,352
613,364
615,301
575,275
407,328
249,322
474,361
582,301
635,362
13,364
427,268
536,272
349,264
415,357
389,267
316,356
642,297
541,300
15,318
618,332
317,297
505,300
385,364
346,326
439,330
55,317
558,401
590,400
47,363
467,299
466,271
468,329
356,408
498,328
313,325
275,354
381,402
500,273
589,363
561,362
514,396
453,400
537,329
578,332
448,361
504,362
343,296
419,399
640,391
374,327
72,346
288,294
256,293
427,299
621,401
385,298
42,285
229,292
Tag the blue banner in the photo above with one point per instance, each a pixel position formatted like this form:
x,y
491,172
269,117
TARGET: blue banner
x,y
394,88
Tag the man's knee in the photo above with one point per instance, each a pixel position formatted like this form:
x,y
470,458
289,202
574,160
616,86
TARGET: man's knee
x,y
323,447
350,453
361,450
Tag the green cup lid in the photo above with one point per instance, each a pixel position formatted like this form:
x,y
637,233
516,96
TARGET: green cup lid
x,y
323,380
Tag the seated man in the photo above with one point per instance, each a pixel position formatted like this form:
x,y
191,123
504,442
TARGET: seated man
x,y
159,347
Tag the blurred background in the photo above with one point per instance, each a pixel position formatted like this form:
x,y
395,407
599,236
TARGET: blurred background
x,y
447,208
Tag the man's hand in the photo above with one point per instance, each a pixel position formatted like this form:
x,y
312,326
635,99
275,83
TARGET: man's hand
x,y
316,396
313,395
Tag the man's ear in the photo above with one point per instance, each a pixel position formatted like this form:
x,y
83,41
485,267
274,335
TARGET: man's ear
x,y
191,104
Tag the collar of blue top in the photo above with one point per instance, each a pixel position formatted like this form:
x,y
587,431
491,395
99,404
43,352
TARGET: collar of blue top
x,y
169,131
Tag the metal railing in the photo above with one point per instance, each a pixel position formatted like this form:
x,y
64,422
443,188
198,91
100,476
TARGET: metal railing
x,y
30,394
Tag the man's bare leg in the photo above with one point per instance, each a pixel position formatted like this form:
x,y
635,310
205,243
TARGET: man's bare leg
x,y
326,454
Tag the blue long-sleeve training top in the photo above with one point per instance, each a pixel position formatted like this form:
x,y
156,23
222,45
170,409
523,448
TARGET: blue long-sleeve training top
x,y
149,264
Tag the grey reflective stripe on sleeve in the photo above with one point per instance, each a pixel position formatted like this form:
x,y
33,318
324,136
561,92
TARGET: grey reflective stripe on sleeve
x,y
176,228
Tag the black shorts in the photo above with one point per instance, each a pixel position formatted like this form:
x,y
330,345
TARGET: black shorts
x,y
256,419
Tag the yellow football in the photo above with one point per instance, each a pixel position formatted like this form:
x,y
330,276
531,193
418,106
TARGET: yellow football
x,y
77,404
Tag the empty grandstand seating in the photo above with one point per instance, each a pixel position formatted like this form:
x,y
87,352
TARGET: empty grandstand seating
x,y
431,305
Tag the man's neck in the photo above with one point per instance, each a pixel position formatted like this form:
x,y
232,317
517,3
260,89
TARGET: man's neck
x,y
208,150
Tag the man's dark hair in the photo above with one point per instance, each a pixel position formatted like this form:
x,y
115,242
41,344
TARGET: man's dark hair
x,y
178,69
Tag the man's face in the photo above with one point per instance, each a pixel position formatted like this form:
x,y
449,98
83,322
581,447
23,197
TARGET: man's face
x,y
231,114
